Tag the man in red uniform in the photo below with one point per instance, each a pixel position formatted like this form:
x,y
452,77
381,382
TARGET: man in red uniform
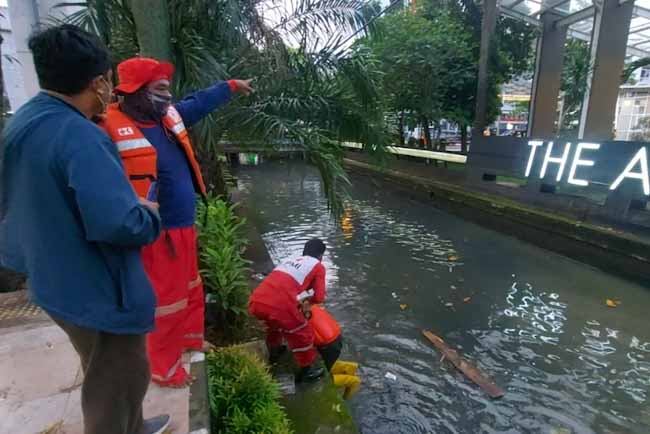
x,y
281,301
150,132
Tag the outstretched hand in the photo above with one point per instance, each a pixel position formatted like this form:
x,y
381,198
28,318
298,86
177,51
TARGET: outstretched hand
x,y
244,86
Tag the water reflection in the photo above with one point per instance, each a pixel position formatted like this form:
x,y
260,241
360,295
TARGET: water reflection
x,y
536,322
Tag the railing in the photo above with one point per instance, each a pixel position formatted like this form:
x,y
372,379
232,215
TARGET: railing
x,y
419,153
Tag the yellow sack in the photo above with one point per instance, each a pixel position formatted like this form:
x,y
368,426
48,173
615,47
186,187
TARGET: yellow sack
x,y
344,368
351,383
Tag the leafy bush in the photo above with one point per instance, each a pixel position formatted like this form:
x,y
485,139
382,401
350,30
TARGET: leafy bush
x,y
243,396
223,269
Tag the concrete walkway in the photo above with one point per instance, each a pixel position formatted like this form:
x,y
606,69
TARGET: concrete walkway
x,y
40,377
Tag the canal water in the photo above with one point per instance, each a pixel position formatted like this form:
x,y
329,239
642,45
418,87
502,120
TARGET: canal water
x,y
537,322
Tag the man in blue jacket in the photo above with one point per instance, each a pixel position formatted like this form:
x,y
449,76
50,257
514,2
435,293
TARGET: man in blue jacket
x,y
71,221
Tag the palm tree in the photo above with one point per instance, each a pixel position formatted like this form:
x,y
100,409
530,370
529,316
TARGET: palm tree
x,y
312,91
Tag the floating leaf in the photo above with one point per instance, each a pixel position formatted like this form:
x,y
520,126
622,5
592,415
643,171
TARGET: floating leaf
x,y
612,303
403,306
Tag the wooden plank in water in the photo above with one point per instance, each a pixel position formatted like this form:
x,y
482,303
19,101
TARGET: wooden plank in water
x,y
464,366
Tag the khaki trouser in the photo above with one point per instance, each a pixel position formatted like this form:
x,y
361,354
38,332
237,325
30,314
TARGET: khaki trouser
x,y
116,378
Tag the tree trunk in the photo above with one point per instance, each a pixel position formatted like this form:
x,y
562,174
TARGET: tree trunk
x,y
2,90
401,128
488,23
427,132
463,138
152,28
438,135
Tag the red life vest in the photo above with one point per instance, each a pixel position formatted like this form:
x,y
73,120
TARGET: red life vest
x,y
139,156
326,329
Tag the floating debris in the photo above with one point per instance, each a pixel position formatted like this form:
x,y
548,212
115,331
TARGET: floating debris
x,y
452,258
464,366
390,376
394,294
403,306
449,304
612,303
467,299
452,287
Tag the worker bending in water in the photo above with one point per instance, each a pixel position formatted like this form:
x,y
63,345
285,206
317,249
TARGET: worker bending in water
x,y
281,301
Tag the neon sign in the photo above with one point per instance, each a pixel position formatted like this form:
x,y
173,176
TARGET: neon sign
x,y
581,160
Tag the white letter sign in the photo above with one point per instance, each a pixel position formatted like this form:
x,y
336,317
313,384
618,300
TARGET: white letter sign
x,y
641,157
534,144
578,162
561,161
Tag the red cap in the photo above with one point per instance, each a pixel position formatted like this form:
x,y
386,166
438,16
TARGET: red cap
x,y
136,72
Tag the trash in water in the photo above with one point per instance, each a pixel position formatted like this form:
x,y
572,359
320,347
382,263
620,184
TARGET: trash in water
x,y
390,376
612,303
394,294
287,383
403,306
467,299
453,287
452,258
449,304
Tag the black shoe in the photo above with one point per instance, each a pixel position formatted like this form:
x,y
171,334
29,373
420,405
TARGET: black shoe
x,y
275,353
156,425
310,374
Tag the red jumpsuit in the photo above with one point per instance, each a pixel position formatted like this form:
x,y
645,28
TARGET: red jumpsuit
x,y
276,302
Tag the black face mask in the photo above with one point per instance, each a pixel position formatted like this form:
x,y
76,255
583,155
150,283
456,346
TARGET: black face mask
x,y
159,104
144,106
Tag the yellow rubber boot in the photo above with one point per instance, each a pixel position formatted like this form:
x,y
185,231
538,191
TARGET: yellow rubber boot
x,y
350,383
344,368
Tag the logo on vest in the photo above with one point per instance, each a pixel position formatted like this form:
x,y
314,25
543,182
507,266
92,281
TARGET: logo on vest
x,y
126,131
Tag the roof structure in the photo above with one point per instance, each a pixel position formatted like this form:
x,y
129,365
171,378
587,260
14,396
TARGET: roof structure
x,y
578,15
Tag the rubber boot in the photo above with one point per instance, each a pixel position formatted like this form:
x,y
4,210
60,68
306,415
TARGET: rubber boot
x,y
275,353
310,373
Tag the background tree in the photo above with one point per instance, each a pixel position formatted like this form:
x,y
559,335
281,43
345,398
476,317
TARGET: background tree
x,y
424,61
577,65
512,56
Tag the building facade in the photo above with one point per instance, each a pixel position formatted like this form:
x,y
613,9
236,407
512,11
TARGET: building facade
x,y
19,19
633,108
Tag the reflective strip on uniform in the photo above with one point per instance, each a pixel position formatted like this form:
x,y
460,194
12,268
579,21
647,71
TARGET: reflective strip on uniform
x,y
305,295
178,128
127,145
297,329
303,349
171,308
193,336
170,374
194,283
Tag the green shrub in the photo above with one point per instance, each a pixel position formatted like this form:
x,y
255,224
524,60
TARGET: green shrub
x,y
243,396
223,269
